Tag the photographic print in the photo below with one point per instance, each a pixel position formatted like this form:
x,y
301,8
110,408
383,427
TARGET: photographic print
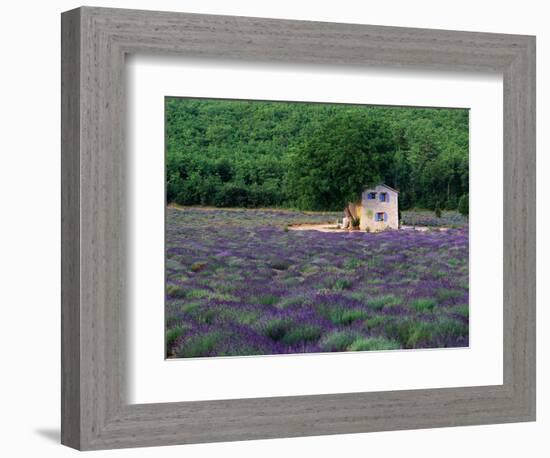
x,y
298,227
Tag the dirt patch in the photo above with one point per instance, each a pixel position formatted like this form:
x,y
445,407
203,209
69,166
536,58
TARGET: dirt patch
x,y
424,228
316,227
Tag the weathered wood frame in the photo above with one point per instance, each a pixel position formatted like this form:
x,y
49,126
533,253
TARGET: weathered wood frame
x,y
95,414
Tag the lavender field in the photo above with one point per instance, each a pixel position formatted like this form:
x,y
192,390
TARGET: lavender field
x,y
240,283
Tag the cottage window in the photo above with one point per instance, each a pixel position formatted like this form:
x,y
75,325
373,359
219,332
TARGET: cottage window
x,y
384,197
381,216
371,196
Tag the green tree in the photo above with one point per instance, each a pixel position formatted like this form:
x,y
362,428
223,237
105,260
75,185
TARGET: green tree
x,y
348,151
463,205
234,153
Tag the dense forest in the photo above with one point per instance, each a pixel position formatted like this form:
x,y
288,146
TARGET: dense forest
x,y
312,156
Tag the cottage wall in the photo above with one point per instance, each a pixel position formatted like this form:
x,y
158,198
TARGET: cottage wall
x,y
356,209
370,207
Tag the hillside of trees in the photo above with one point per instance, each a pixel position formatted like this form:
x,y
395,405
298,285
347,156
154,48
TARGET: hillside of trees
x,y
312,156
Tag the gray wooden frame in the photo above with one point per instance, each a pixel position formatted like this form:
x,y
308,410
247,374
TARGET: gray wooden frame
x,y
95,413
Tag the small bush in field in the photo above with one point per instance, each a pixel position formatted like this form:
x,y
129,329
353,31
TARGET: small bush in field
x,y
444,294
279,264
373,343
424,304
462,310
291,301
343,316
175,291
301,333
338,341
200,345
172,335
268,299
376,321
197,266
276,329
341,284
352,263
386,300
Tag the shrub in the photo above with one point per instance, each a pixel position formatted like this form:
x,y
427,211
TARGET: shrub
x,y
357,295
416,334
352,263
277,328
451,203
464,205
200,345
246,317
420,334
171,320
424,304
449,328
373,343
301,333
197,266
279,264
462,310
268,299
339,315
206,316
376,321
437,212
387,300
355,221
286,331
197,293
338,341
444,294
374,261
409,333
172,335
291,301
174,291
190,307
341,284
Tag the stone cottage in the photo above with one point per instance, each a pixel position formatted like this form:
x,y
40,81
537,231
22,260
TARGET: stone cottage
x,y
376,210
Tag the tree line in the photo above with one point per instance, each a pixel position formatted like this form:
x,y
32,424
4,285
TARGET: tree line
x,y
312,156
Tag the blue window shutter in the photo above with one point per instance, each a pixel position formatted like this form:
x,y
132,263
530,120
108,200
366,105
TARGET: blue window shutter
x,y
385,216
388,197
376,217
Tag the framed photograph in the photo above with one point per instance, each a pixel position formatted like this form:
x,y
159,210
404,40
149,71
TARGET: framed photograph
x,y
277,228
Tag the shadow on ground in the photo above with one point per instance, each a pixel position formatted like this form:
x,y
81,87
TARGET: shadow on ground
x,y
53,435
